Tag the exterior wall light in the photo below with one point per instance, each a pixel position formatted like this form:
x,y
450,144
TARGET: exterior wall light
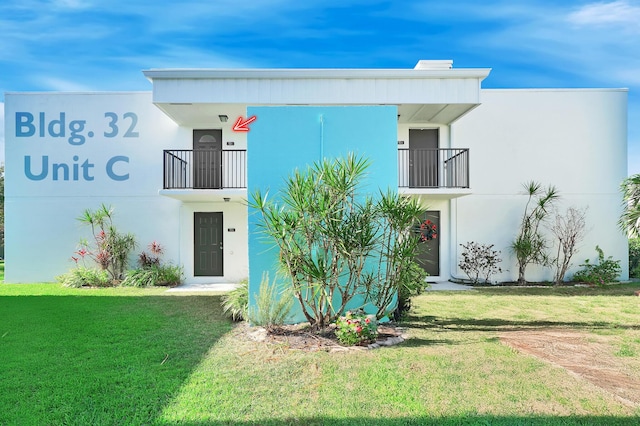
x,y
223,118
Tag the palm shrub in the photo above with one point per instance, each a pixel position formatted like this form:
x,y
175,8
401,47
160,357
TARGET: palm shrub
x,y
236,303
324,235
630,218
530,245
110,249
335,243
398,273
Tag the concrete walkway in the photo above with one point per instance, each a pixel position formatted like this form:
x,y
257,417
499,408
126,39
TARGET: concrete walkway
x,y
448,286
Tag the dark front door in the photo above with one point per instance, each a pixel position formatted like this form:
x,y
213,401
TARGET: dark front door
x,y
207,159
207,236
423,158
429,246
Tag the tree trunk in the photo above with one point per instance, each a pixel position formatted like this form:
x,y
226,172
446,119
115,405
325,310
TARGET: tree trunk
x,y
521,269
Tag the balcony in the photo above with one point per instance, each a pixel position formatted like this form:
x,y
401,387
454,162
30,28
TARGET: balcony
x,y
437,172
440,173
205,169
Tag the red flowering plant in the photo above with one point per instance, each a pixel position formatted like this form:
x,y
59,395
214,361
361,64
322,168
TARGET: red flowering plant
x,y
428,231
355,328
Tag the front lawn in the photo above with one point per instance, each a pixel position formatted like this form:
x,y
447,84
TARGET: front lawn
x,y
143,356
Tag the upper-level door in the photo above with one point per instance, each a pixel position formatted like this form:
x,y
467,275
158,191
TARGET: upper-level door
x,y
207,159
423,158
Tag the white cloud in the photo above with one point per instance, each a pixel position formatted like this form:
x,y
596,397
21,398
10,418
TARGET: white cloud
x,y
537,36
618,12
71,4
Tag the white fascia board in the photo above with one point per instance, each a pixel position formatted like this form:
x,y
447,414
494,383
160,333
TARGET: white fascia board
x,y
559,89
317,91
194,73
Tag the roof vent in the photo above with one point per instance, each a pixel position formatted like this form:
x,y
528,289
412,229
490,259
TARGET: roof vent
x,y
439,64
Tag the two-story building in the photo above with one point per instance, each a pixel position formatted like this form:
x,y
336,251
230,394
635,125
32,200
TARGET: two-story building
x,y
176,171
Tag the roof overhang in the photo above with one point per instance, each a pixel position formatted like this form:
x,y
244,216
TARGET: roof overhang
x,y
194,96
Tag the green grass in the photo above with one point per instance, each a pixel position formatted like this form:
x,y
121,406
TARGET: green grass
x,y
141,356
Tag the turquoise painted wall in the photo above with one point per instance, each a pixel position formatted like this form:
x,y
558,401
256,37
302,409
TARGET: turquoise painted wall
x,y
285,138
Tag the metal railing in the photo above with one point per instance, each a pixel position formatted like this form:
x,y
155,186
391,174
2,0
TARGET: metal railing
x,y
204,169
433,168
210,169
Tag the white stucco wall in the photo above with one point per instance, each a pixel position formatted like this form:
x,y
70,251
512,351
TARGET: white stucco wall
x,y
573,139
42,232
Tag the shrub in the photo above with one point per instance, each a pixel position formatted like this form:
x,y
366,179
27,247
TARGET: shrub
x,y
152,272
634,257
85,277
236,303
412,283
356,328
530,246
605,271
155,275
479,261
398,220
110,248
334,243
147,260
569,230
270,311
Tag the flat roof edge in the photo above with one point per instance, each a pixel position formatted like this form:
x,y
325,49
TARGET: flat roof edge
x,y
557,89
97,92
195,73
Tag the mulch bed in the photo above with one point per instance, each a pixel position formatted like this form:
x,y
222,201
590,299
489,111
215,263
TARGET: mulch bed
x,y
302,337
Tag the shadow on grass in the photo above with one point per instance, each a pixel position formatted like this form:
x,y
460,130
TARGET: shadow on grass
x,y
440,421
496,324
76,359
417,342
626,289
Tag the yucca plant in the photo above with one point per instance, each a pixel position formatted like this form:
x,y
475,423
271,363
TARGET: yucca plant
x,y
335,243
324,232
530,245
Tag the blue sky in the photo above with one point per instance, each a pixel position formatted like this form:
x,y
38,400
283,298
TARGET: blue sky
x,y
69,45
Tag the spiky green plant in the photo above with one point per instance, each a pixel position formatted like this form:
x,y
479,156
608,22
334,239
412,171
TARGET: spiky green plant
x,y
236,303
398,247
324,234
335,243
530,245
630,218
110,248
83,276
272,309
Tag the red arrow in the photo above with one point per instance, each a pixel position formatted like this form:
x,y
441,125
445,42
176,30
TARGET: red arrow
x,y
241,124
